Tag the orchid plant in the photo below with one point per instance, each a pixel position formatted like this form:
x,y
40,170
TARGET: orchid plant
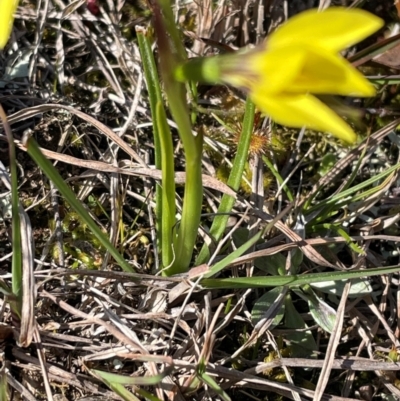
x,y
299,60
283,76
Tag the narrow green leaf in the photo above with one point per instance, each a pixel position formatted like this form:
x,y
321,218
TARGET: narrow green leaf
x,y
122,391
145,394
359,288
340,231
205,378
221,219
302,342
263,304
3,385
294,280
356,189
155,97
278,177
172,53
323,314
168,187
131,380
235,254
53,175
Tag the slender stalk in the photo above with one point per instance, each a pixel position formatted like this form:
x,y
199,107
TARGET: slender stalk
x,y
164,153
154,90
168,188
172,53
16,226
235,177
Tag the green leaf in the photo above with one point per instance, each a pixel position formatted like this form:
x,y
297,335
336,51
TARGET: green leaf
x,y
130,380
263,304
53,175
323,314
240,236
272,264
155,98
214,385
232,256
221,219
359,288
294,280
3,385
302,343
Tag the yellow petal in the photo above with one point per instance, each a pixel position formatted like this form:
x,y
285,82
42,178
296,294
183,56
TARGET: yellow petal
x,y
303,110
7,9
327,73
270,71
335,28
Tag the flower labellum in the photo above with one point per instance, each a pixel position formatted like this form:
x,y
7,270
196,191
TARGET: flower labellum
x,y
297,61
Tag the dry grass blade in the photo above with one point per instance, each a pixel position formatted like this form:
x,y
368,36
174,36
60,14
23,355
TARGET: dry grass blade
x,y
354,363
370,143
311,242
180,176
59,375
110,328
20,388
27,322
332,345
32,111
42,361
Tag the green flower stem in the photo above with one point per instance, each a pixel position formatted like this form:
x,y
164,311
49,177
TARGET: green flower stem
x,y
164,153
201,69
172,53
219,224
168,210
155,96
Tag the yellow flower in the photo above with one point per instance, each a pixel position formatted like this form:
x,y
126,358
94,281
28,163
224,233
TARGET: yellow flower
x,y
298,60
7,10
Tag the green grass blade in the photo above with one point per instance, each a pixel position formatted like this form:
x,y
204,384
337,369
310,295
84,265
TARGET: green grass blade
x,y
146,395
125,394
221,219
294,280
155,97
235,254
168,188
3,384
16,223
117,382
339,230
357,188
205,378
278,177
53,175
192,204
131,380
388,80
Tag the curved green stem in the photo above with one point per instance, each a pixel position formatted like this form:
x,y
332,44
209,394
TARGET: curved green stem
x,y
172,54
